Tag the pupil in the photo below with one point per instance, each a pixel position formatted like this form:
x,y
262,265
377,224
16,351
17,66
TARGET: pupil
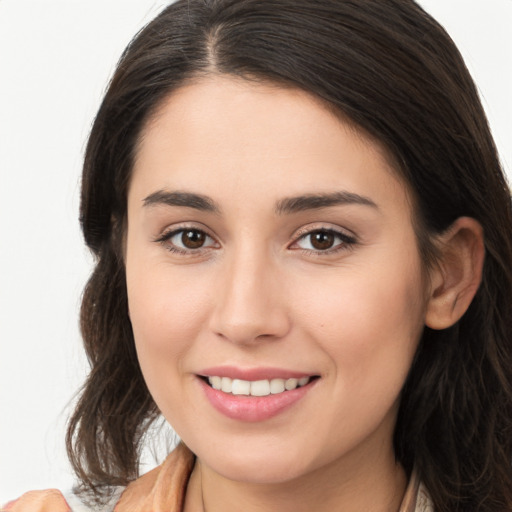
x,y
322,240
193,239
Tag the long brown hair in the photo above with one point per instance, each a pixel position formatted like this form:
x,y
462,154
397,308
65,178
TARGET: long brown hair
x,y
392,70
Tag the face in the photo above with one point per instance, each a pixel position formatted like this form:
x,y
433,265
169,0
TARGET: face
x,y
270,253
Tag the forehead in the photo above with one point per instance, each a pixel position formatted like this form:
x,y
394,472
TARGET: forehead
x,y
224,133
209,104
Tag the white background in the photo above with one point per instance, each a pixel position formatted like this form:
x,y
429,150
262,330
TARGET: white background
x,y
55,60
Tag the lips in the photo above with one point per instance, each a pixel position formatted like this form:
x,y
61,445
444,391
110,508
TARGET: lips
x,y
251,374
256,394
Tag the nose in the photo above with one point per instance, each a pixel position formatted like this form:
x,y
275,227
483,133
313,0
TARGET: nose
x,y
250,300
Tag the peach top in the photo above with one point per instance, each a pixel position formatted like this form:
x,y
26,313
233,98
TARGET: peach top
x,y
163,490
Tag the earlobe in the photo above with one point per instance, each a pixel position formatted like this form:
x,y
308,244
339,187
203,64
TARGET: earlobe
x,y
456,277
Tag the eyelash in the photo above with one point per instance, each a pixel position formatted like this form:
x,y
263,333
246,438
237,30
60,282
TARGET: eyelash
x,y
168,235
346,241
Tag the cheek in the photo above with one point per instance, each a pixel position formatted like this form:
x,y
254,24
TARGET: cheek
x,y
369,322
167,310
369,327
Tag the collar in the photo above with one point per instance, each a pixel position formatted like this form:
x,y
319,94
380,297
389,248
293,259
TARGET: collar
x,y
163,489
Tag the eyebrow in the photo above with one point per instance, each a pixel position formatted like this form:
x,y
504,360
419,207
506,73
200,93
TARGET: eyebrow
x,y
284,206
178,198
316,201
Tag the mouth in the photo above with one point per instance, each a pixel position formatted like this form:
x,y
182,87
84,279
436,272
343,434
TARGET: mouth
x,y
256,388
255,394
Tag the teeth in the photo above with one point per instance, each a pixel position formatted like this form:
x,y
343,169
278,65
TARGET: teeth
x,y
291,384
226,384
277,386
240,387
216,382
256,387
260,388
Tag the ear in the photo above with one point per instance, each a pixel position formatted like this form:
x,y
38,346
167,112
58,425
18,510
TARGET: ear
x,y
455,279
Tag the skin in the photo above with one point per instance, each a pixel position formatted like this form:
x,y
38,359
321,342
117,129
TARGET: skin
x,y
259,294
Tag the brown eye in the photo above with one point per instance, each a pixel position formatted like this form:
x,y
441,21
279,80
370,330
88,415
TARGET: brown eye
x,y
325,241
322,240
186,240
193,239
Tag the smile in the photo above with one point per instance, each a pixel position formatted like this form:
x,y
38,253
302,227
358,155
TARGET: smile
x,y
263,387
255,398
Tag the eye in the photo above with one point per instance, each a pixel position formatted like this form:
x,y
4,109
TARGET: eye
x,y
186,240
324,240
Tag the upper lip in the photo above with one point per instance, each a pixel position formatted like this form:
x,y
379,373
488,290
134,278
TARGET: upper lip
x,y
253,374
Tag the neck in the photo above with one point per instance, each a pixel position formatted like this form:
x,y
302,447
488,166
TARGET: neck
x,y
375,487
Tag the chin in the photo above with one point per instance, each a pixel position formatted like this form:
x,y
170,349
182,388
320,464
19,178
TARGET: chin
x,y
257,460
274,470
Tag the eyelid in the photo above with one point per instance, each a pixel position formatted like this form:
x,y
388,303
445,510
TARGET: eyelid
x,y
182,226
348,238
168,233
311,228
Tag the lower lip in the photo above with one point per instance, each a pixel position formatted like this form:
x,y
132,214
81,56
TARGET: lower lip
x,y
253,408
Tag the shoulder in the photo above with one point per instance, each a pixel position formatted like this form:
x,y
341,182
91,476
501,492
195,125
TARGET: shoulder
x,y
53,500
39,501
162,488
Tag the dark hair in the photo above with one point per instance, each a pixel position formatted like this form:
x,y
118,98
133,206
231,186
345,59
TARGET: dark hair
x,y
388,67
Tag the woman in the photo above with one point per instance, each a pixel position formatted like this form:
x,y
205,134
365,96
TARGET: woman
x,y
303,253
